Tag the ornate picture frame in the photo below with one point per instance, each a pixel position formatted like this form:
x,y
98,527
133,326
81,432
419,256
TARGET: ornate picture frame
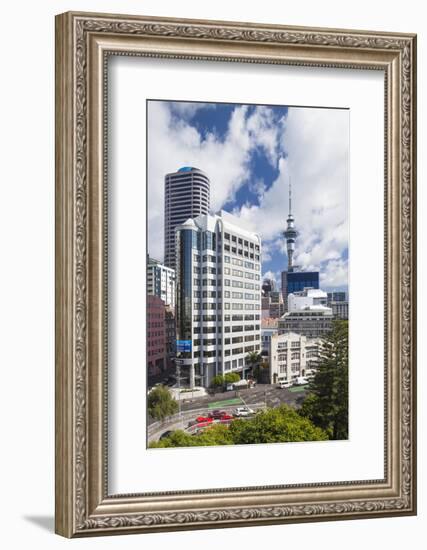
x,y
84,42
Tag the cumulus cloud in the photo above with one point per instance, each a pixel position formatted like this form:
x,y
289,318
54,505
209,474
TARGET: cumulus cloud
x,y
315,144
174,142
308,147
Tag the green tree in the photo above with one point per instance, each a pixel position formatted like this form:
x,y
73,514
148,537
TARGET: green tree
x,y
231,377
281,424
327,403
253,358
217,381
218,434
161,404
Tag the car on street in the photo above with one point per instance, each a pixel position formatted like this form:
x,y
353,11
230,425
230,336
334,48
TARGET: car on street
x,y
202,419
300,381
282,384
225,417
242,411
216,414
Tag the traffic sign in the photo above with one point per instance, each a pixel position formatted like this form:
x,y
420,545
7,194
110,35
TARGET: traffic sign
x,y
183,345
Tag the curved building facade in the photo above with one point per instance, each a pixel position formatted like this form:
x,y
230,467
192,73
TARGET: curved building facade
x,y
187,195
218,296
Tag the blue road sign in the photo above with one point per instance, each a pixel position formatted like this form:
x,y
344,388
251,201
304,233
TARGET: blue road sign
x,y
183,345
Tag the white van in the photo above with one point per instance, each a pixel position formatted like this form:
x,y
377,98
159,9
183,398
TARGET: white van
x,y
283,384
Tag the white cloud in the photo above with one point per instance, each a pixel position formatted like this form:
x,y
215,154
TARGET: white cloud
x,y
315,157
308,146
173,142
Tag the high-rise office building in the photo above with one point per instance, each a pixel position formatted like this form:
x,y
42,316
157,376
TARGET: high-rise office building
x,y
161,282
218,296
187,195
296,281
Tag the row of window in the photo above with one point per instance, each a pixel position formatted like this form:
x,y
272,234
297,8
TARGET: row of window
x,y
239,306
239,240
227,352
227,318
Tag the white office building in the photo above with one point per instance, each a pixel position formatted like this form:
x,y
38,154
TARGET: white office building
x,y
218,296
291,356
307,297
161,282
187,195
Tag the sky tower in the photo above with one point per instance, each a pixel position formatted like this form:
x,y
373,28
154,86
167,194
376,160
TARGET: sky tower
x,y
290,233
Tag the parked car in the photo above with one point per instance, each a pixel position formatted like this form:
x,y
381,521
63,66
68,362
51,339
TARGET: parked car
x,y
226,417
242,411
300,381
201,419
283,384
216,414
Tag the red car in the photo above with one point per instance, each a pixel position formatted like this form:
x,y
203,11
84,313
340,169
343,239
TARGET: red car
x,y
200,419
226,416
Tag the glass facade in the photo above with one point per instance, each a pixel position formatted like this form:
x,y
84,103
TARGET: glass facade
x,y
298,280
187,240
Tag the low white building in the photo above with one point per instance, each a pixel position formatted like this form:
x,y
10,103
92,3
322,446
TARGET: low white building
x,y
306,298
291,356
311,321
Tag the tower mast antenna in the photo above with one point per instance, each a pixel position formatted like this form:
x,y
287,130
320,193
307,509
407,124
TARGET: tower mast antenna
x,y
290,232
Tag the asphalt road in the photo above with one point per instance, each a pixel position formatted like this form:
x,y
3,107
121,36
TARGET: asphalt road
x,y
266,393
256,398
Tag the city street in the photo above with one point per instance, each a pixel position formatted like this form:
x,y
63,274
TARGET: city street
x,y
256,398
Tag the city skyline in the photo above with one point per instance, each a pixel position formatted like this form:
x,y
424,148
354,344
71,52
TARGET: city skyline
x,y
262,148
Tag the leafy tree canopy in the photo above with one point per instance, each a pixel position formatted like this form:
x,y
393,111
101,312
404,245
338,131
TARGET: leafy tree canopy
x,y
282,424
327,403
161,404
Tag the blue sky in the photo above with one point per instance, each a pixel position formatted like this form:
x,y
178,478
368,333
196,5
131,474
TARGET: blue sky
x,y
250,153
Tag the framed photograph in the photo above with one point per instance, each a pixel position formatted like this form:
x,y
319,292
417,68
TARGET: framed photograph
x,y
235,274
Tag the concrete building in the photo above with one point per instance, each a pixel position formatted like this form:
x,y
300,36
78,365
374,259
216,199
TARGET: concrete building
x,y
156,351
268,285
218,296
269,327
170,336
339,309
312,321
187,195
296,281
337,296
307,297
161,282
292,355
276,306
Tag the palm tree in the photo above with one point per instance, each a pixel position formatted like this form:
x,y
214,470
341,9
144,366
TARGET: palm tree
x,y
253,359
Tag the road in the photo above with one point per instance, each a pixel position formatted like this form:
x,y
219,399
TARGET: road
x,y
256,398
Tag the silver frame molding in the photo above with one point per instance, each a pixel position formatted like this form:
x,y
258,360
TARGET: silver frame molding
x,y
83,43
